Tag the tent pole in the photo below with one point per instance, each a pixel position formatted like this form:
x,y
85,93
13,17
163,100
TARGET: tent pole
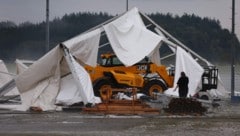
x,y
103,45
170,43
175,40
233,52
11,74
170,55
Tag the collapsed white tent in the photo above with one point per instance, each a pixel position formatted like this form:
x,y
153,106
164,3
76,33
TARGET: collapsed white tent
x,y
40,83
5,78
44,83
194,60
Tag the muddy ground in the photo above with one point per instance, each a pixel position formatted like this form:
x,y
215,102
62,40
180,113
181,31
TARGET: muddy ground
x,y
54,124
222,120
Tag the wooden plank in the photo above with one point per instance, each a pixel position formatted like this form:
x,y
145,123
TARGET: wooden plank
x,y
122,107
124,112
119,104
117,107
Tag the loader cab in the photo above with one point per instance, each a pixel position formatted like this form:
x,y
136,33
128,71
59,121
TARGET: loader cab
x,y
110,60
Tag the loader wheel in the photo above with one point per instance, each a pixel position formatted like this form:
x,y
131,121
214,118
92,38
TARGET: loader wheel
x,y
103,89
204,97
154,86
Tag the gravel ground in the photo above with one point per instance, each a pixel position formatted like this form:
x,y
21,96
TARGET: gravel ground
x,y
78,124
223,120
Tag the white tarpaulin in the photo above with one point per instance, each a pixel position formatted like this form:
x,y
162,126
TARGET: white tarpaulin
x,y
155,56
21,66
44,68
130,39
39,84
85,47
186,63
4,76
68,93
82,80
221,91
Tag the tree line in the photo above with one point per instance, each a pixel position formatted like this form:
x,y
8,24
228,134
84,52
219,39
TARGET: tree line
x,y
203,35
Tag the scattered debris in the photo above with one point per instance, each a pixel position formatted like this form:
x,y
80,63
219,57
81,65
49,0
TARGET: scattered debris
x,y
122,107
35,109
185,106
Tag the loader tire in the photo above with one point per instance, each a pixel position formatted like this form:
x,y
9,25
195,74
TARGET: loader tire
x,y
154,86
103,89
204,97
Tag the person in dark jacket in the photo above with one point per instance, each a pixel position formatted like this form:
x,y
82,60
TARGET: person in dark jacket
x,y
182,84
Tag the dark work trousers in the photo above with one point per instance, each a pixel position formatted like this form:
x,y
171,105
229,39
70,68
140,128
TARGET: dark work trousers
x,y
183,92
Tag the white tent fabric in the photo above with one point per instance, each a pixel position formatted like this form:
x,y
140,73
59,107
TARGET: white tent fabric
x,y
221,91
44,68
39,84
4,76
68,93
20,66
82,80
13,91
155,55
85,47
130,39
42,95
185,62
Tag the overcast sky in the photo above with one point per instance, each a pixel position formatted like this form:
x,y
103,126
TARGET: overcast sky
x,y
20,11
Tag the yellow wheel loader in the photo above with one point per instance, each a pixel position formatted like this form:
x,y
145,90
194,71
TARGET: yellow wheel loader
x,y
112,76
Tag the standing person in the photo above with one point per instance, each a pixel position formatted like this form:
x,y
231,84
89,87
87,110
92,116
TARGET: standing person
x,y
182,84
